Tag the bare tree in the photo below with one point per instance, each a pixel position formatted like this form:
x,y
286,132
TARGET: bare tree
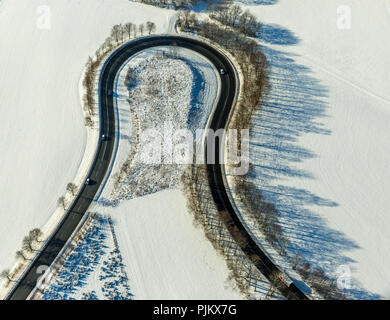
x,y
117,32
108,44
88,121
150,26
234,14
28,244
98,53
283,243
72,188
184,18
141,29
62,202
6,274
193,19
20,255
221,11
35,234
128,28
248,24
135,30
296,260
305,271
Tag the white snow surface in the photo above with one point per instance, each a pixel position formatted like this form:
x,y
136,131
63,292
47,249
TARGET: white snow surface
x,y
321,141
43,139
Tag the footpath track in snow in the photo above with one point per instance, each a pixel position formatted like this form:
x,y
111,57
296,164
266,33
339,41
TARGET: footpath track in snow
x,y
103,160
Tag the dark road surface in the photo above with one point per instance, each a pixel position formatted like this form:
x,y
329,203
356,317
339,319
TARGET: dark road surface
x,y
103,157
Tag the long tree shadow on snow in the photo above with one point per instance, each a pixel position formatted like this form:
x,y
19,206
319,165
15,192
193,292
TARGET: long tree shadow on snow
x,y
294,106
275,34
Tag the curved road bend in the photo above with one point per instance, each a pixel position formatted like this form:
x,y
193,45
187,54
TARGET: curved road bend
x,y
105,149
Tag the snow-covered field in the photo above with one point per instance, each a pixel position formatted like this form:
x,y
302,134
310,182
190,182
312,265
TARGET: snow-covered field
x,y
42,134
321,141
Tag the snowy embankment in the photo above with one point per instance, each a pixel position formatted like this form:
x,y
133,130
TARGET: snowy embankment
x,y
44,47
164,255
320,143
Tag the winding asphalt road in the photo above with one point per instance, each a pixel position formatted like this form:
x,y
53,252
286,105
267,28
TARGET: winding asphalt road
x,y
104,154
